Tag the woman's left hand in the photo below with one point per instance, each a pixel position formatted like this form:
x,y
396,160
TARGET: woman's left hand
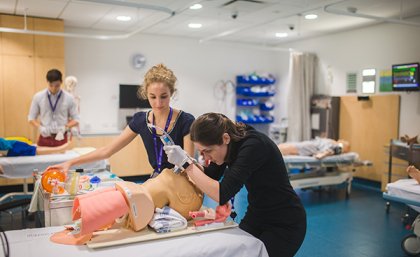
x,y
176,155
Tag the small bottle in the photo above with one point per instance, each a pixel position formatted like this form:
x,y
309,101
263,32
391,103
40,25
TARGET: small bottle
x,y
94,181
72,185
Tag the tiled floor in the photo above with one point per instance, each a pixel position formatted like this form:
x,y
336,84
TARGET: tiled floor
x,y
357,227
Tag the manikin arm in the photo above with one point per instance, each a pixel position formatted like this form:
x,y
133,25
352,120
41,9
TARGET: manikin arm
x,y
323,154
40,150
222,213
208,214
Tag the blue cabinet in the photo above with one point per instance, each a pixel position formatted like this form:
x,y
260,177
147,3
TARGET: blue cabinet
x,y
254,98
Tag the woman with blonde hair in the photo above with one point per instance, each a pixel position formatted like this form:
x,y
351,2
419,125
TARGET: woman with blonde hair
x,y
158,88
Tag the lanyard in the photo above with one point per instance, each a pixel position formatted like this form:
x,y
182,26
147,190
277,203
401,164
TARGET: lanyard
x,y
53,107
158,152
233,213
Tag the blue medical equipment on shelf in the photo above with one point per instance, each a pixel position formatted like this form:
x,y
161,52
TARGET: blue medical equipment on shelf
x,y
254,79
254,93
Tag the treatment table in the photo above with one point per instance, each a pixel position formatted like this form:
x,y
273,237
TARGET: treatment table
x,y
221,243
322,172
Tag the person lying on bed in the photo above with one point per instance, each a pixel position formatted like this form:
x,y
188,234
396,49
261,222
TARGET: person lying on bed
x,y
318,147
413,172
14,148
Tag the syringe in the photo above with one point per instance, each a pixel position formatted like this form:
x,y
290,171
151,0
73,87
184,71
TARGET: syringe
x,y
167,140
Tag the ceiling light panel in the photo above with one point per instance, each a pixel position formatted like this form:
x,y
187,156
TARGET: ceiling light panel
x,y
195,25
311,16
109,22
281,34
196,6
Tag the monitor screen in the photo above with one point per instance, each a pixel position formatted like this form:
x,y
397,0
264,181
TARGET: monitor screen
x,y
129,98
405,77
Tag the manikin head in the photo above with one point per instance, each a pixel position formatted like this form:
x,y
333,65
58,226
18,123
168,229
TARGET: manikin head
x,y
54,78
70,83
212,133
345,145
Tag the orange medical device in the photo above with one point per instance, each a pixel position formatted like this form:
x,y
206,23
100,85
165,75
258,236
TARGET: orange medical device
x,y
52,181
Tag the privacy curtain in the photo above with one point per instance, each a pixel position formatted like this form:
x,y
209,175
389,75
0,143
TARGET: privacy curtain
x,y
302,79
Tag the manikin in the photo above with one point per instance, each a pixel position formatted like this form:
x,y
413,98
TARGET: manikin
x,y
134,202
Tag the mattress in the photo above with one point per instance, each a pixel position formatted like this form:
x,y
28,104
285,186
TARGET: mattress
x,y
221,243
405,189
23,167
334,160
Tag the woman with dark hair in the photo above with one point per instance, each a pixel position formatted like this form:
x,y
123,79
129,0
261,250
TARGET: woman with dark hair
x,y
244,156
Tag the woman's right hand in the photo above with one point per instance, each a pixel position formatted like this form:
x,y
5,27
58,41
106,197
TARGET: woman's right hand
x,y
64,167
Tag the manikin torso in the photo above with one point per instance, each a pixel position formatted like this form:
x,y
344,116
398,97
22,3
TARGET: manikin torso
x,y
175,191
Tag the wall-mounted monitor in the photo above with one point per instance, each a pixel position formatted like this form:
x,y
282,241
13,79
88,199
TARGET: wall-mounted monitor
x,y
405,77
129,98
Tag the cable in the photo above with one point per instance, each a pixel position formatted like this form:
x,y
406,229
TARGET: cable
x,y
4,242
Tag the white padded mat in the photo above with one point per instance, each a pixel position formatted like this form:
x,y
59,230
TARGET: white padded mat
x,y
407,189
232,242
341,158
23,167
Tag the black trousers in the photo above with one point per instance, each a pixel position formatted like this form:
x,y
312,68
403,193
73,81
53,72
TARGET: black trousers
x,y
279,240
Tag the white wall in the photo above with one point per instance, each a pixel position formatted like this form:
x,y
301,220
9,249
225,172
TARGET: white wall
x,y
378,47
101,66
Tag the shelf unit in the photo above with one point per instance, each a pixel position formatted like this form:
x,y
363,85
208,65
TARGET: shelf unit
x,y
254,103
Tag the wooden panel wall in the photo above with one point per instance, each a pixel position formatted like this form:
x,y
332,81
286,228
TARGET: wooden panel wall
x,y
48,51
14,43
18,91
24,62
369,126
49,46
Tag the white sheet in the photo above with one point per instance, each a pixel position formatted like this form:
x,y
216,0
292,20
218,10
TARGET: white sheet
x,y
222,243
341,159
407,189
23,167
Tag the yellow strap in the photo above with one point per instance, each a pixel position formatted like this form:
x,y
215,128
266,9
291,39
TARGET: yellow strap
x,y
21,139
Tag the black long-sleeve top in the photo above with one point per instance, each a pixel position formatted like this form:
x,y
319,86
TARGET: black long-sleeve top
x,y
256,162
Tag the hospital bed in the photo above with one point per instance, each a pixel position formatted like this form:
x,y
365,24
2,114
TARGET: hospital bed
x,y
345,159
23,167
406,191
322,172
222,243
